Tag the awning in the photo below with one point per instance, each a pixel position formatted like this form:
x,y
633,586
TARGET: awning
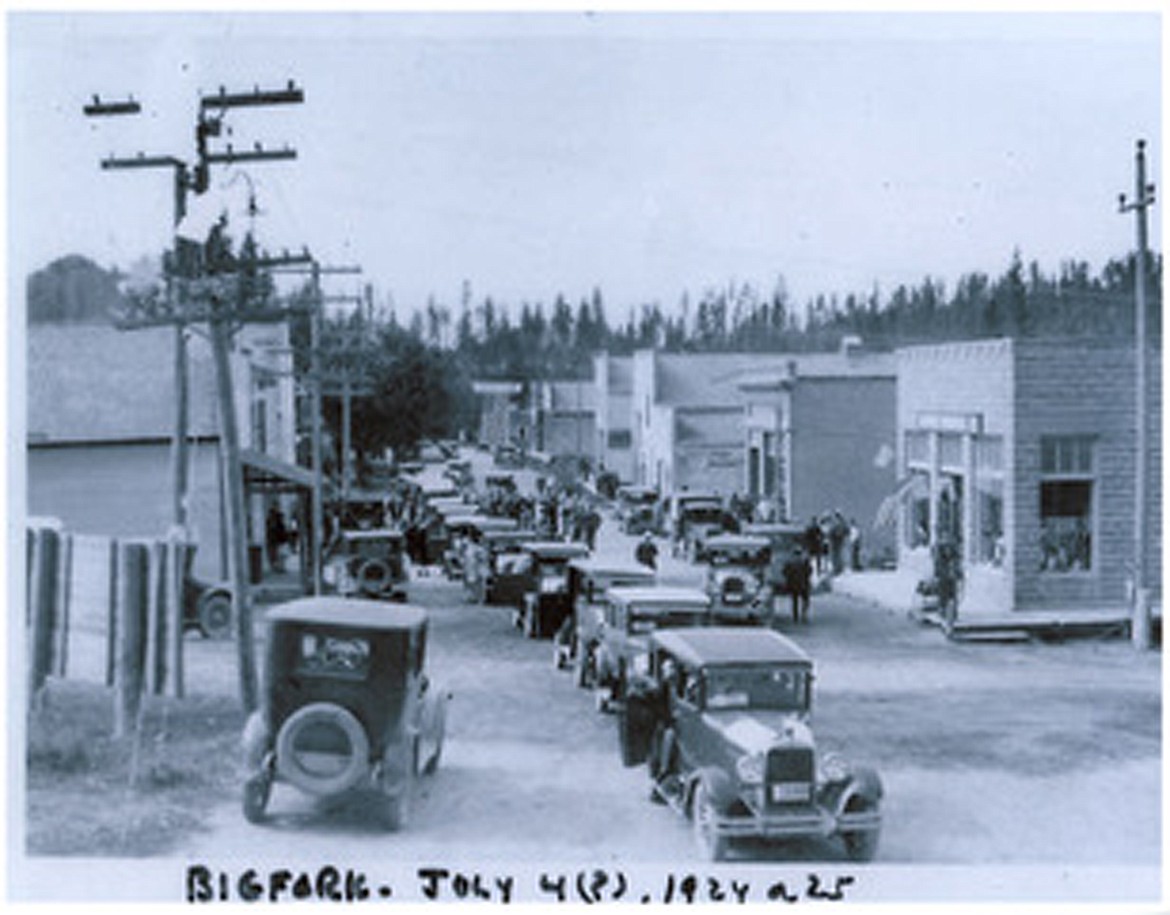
x,y
262,471
916,484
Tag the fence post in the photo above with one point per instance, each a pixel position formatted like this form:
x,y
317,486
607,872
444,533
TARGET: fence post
x,y
155,654
62,606
177,551
133,562
112,626
42,598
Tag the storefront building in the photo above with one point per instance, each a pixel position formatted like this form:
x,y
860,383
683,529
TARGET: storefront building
x,y
1021,453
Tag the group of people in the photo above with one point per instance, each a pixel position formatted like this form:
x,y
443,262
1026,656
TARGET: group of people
x,y
833,542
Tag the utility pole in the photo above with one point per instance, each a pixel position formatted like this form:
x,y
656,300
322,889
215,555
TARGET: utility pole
x,y
203,298
197,180
317,521
1143,200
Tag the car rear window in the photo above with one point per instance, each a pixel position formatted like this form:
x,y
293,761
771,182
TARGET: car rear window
x,y
334,655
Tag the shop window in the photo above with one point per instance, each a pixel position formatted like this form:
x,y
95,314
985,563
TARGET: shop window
x,y
619,438
989,505
1066,504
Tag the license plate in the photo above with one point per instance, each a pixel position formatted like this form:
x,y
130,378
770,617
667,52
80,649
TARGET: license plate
x,y
790,791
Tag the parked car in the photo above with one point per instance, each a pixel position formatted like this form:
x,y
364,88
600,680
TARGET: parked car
x,y
636,509
782,536
367,563
736,576
501,567
458,528
508,457
207,607
722,718
631,615
695,518
589,581
346,706
546,603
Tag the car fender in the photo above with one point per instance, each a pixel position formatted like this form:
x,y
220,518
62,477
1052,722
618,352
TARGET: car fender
x,y
864,783
433,722
256,741
720,787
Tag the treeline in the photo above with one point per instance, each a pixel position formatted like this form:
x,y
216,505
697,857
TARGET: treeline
x,y
1022,302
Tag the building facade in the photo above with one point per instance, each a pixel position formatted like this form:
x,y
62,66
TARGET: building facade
x,y
819,437
1022,453
613,380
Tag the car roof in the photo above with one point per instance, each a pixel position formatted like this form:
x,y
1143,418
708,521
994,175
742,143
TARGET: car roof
x,y
557,548
373,533
763,528
730,645
524,535
494,523
592,565
349,611
659,594
736,542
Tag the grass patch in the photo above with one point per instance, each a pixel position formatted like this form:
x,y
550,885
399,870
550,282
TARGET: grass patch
x,y
91,794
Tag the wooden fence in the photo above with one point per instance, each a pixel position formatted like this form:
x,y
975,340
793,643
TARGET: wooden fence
x,y
106,610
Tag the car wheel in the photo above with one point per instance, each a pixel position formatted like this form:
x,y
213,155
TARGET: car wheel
x,y
215,615
861,845
257,790
322,748
708,842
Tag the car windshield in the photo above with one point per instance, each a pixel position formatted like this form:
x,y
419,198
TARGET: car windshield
x,y
736,558
641,623
703,514
783,688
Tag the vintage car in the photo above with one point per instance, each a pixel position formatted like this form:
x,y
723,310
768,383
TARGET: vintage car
x,y
782,536
458,527
736,576
500,567
546,604
207,607
475,547
508,457
631,615
367,563
696,518
589,581
346,706
723,720
636,509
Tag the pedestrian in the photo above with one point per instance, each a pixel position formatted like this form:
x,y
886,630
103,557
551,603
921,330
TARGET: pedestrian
x,y
814,541
947,573
797,581
592,523
275,534
854,545
838,534
646,552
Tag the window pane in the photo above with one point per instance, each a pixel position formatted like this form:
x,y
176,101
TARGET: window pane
x,y
950,453
1066,526
989,505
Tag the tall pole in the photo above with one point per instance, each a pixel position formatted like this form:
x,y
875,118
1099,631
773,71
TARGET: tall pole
x,y
179,442
1143,199
233,472
346,437
318,479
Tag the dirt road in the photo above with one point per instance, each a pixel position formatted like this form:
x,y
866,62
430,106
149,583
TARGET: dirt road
x,y
1021,754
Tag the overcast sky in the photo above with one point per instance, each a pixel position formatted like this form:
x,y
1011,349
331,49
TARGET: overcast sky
x,y
646,155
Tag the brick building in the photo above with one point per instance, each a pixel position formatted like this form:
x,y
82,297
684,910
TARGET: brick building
x,y
1023,452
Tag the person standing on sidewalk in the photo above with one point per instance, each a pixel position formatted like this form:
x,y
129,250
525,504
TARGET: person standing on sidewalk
x,y
798,582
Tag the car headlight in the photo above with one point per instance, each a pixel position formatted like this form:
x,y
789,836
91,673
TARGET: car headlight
x,y
834,767
641,664
750,769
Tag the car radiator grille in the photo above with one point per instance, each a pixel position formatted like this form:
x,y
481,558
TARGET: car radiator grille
x,y
789,777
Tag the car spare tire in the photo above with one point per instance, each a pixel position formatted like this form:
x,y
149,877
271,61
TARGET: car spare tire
x,y
322,749
374,577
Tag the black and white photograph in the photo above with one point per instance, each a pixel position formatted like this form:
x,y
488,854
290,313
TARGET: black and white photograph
x,y
585,456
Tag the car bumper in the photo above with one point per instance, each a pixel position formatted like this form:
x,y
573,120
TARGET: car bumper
x,y
805,821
